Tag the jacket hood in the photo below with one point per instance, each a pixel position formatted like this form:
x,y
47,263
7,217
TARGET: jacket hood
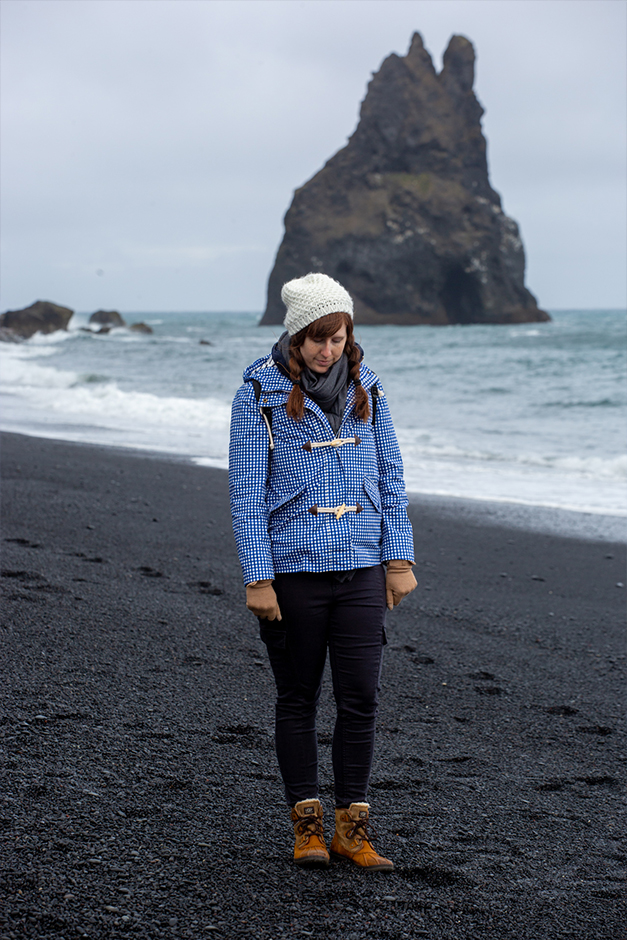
x,y
261,369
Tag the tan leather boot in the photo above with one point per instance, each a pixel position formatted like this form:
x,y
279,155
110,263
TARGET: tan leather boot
x,y
309,848
351,838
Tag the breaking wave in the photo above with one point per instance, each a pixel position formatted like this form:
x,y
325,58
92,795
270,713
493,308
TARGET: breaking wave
x,y
478,415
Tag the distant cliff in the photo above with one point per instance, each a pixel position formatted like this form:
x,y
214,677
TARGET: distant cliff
x,y
404,216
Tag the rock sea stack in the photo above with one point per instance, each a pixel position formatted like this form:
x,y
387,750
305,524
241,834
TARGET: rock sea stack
x,y
41,317
404,216
107,318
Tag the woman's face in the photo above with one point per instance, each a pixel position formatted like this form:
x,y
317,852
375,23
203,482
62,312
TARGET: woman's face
x,y
320,354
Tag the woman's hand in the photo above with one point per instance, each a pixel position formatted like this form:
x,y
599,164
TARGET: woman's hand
x,y
399,582
261,600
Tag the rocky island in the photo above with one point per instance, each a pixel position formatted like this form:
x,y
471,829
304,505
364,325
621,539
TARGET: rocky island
x,y
46,317
404,215
41,317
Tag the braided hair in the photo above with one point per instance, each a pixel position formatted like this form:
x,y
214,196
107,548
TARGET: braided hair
x,y
320,329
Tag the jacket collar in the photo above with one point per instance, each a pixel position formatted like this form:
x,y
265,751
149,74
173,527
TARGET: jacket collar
x,y
271,379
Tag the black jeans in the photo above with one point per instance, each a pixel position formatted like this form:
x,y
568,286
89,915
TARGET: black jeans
x,y
348,618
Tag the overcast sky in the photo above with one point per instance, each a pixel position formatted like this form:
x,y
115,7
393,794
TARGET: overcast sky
x,y
152,147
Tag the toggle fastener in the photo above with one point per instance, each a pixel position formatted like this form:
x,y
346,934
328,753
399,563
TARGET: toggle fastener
x,y
338,511
336,442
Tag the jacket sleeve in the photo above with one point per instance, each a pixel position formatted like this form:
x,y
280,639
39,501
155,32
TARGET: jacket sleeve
x,y
248,472
397,538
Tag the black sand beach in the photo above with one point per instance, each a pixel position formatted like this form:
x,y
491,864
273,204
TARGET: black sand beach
x,y
140,794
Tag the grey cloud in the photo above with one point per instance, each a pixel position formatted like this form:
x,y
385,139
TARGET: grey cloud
x,y
161,141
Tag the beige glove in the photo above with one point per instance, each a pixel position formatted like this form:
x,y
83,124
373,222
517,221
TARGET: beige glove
x,y
399,582
261,600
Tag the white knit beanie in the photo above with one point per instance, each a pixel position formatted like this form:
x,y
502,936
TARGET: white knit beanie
x,y
311,297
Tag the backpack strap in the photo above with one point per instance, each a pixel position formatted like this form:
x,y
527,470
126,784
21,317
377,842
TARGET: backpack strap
x,y
377,393
266,413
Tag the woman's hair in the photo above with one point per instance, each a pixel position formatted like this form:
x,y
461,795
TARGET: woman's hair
x,y
320,329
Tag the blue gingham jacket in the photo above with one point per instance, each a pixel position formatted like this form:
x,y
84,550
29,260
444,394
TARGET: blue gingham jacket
x,y
272,496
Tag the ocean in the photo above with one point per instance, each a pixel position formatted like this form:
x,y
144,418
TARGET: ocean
x,y
529,415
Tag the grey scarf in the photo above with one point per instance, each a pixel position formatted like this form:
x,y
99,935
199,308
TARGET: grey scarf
x,y
328,389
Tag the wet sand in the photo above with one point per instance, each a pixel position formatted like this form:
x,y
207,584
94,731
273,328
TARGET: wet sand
x,y
140,793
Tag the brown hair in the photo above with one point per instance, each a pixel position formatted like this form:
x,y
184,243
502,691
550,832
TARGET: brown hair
x,y
323,328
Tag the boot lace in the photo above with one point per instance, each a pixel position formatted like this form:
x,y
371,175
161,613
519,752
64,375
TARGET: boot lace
x,y
310,826
361,828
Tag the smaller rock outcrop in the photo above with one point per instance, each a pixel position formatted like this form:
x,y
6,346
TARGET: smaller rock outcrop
x,y
41,317
140,328
107,318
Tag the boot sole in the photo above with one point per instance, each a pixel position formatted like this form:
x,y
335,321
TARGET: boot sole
x,y
312,862
347,858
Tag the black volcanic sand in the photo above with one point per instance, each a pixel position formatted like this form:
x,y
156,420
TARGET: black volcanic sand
x,y
140,794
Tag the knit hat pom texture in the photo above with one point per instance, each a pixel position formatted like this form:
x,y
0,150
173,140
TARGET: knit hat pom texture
x,y
313,296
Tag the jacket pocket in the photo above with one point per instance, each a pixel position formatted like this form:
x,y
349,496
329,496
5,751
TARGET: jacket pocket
x,y
279,501
371,488
283,509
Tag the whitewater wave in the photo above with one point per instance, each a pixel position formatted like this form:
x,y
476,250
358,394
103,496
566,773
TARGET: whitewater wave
x,y
20,374
424,450
508,440
58,393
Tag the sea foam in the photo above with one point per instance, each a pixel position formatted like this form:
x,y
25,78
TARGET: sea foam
x,y
526,416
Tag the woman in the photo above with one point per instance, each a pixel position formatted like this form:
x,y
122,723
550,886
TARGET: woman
x,y
319,507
